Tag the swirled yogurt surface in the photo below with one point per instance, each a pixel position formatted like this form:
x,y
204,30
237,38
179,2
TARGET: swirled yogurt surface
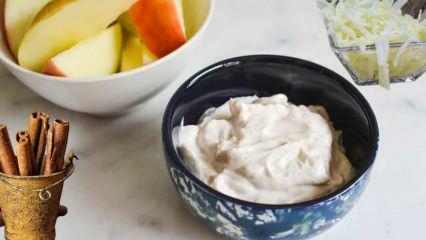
x,y
266,150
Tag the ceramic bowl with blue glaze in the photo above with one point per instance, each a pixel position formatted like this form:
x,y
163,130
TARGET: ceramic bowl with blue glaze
x,y
304,83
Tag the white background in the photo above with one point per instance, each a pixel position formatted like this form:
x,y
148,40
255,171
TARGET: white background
x,y
121,189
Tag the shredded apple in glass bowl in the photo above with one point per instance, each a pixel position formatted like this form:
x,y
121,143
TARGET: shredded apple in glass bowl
x,y
375,40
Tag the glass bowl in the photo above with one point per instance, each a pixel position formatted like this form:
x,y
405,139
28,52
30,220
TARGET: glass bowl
x,y
362,63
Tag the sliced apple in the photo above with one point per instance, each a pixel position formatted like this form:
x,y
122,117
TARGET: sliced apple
x,y
64,23
193,17
134,54
18,15
160,25
96,56
148,56
126,22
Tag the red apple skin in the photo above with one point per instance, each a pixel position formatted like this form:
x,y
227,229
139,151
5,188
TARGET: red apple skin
x,y
158,25
52,69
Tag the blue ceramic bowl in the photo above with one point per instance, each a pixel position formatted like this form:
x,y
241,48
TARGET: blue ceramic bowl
x,y
304,83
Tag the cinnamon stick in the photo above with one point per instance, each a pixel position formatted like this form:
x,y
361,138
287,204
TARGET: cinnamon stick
x,y
34,127
24,153
41,145
49,166
61,130
7,157
57,140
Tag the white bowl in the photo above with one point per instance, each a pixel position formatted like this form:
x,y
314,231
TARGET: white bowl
x,y
118,93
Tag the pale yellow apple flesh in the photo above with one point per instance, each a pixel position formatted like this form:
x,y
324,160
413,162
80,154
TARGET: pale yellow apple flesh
x,y
148,56
126,22
193,19
134,54
96,56
63,24
18,15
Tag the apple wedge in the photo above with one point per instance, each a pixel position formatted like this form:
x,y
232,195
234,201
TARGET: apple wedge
x,y
18,15
148,56
160,25
62,24
96,56
134,54
126,22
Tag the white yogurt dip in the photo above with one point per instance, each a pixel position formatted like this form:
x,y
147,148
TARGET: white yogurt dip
x,y
266,150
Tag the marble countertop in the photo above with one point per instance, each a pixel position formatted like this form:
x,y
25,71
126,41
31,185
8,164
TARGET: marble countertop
x,y
121,189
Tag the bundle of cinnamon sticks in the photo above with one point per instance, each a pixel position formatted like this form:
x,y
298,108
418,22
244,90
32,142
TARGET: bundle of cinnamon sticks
x,y
39,151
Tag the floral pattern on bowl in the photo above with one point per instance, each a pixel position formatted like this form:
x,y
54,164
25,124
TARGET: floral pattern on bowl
x,y
241,222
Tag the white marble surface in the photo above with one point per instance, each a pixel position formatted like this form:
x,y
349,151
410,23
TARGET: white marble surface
x,y
121,189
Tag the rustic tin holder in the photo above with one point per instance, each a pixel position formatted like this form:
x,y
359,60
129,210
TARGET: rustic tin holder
x,y
29,204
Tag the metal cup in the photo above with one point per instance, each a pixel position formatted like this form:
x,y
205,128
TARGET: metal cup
x,y
29,205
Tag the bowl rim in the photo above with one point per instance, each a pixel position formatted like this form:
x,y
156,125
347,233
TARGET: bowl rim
x,y
115,76
347,86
